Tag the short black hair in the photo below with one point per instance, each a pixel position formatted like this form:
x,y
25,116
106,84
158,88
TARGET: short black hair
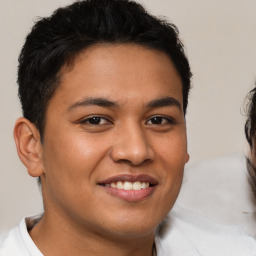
x,y
55,41
250,132
250,125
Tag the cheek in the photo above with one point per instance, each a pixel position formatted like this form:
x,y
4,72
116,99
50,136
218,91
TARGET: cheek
x,y
173,155
69,163
71,157
173,150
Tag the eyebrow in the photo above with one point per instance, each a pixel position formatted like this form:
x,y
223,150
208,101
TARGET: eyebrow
x,y
164,102
102,102
94,101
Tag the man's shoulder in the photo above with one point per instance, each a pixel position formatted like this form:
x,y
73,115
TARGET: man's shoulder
x,y
17,242
11,243
185,232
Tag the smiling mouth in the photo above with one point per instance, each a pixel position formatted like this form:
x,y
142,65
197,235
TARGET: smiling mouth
x,y
130,187
127,185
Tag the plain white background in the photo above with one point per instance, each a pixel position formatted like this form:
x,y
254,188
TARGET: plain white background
x,y
220,41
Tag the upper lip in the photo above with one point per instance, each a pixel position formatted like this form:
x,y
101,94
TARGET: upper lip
x,y
130,178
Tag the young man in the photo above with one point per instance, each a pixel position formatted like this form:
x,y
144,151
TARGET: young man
x,y
104,89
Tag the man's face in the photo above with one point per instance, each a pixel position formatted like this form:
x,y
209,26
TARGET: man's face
x,y
114,145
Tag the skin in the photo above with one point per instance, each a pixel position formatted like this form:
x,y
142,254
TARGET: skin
x,y
76,154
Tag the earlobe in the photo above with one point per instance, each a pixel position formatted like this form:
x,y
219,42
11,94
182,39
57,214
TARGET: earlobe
x,y
187,157
28,144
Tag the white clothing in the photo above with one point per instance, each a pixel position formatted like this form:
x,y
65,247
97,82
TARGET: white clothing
x,y
183,233
187,234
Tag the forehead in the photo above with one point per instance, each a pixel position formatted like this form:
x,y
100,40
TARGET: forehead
x,y
133,70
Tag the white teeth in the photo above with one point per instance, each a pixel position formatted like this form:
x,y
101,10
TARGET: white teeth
x,y
120,185
136,185
113,185
127,185
145,185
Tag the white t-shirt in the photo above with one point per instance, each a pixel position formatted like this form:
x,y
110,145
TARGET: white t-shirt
x,y
183,233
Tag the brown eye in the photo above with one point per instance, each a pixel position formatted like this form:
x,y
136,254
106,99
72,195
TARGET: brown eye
x,y
157,120
95,120
160,120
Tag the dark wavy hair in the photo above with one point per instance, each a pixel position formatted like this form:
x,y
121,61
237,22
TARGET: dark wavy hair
x,y
250,132
55,42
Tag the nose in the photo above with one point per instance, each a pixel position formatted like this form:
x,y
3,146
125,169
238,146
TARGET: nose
x,y
131,145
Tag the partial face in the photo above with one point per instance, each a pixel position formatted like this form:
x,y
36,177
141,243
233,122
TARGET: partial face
x,y
114,145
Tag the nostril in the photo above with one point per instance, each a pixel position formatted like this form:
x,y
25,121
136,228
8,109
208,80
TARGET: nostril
x,y
133,162
131,148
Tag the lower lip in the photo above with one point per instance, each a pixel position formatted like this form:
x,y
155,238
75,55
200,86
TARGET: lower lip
x,y
130,195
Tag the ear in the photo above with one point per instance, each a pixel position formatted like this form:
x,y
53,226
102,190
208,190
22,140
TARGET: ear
x,y
28,144
187,157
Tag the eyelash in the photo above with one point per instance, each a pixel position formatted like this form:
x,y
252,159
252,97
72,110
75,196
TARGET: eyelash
x,y
96,120
169,120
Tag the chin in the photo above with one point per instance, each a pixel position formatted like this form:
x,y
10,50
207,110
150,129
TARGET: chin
x,y
135,227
